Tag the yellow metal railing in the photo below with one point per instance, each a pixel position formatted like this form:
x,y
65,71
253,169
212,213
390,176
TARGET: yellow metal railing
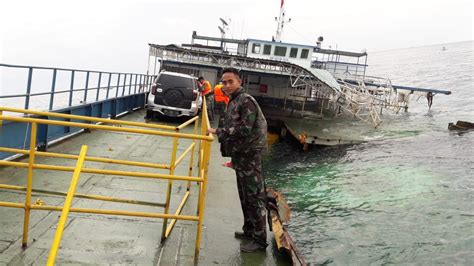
x,y
200,140
67,207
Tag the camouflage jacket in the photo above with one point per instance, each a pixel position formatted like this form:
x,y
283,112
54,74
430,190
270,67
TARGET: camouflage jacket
x,y
245,127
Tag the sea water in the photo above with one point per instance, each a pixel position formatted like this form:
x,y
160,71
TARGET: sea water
x,y
406,194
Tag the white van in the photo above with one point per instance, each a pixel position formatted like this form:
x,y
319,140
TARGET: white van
x,y
174,94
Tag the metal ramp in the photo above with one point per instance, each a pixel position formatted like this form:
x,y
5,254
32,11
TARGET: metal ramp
x,y
372,95
358,101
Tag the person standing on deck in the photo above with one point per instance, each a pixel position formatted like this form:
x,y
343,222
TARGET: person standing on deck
x,y
244,139
209,95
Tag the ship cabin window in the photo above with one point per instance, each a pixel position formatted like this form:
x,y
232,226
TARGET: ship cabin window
x,y
280,51
293,52
304,53
267,49
256,48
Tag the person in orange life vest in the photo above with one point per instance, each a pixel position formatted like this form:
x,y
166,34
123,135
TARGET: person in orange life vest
x,y
221,99
220,103
208,93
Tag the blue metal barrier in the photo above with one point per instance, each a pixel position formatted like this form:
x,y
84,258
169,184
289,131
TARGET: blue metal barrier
x,y
130,94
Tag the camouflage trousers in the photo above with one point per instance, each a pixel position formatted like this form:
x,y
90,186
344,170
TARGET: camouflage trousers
x,y
220,109
251,186
210,107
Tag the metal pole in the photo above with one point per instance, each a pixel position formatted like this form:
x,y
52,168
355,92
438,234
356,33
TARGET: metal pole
x,y
148,66
87,86
53,87
124,84
118,85
71,89
67,205
141,85
83,196
29,184
202,199
98,87
108,86
191,160
202,144
170,186
135,87
181,205
28,88
365,67
357,67
130,85
103,127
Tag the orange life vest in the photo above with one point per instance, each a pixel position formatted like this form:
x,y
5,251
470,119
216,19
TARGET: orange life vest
x,y
206,88
219,95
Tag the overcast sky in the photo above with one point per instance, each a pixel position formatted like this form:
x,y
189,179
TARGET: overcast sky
x,y
113,35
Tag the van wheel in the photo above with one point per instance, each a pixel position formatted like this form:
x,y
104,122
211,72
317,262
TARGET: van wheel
x,y
149,115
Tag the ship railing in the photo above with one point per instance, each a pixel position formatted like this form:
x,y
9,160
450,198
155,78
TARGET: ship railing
x,y
300,78
367,80
245,63
200,144
81,85
341,69
92,93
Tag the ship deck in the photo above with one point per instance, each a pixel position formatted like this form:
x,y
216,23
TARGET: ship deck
x,y
101,239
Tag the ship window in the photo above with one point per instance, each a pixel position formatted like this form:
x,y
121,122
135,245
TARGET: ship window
x,y
280,51
293,52
256,48
304,53
267,49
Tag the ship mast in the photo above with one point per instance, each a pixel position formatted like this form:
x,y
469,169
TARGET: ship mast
x,y
281,22
223,29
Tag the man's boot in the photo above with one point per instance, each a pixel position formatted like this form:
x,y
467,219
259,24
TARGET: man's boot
x,y
242,235
252,246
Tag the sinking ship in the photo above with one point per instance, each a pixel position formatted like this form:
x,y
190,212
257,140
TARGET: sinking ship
x,y
297,85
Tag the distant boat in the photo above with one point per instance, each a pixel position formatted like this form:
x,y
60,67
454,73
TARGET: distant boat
x,y
444,48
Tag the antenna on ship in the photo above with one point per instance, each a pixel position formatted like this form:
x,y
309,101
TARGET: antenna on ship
x,y
281,23
223,29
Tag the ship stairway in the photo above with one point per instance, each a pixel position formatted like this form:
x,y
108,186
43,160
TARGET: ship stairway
x,y
385,95
358,101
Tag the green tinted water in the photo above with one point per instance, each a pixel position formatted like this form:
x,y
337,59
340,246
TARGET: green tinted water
x,y
404,196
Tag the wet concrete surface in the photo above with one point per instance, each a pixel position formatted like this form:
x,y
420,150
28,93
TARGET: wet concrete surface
x,y
103,239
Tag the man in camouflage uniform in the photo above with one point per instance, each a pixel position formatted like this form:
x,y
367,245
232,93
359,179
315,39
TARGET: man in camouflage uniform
x,y
244,138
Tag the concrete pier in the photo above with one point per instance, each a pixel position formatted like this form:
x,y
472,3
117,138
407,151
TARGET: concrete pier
x,y
102,239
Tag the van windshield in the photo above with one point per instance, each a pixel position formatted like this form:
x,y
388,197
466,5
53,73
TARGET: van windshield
x,y
169,82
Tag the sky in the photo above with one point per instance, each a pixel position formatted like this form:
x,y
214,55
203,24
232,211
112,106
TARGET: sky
x,y
114,35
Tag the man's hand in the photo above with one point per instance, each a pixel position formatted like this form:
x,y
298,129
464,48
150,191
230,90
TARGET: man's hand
x,y
211,130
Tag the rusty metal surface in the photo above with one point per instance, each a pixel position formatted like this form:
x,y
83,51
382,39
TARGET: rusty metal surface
x,y
280,214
